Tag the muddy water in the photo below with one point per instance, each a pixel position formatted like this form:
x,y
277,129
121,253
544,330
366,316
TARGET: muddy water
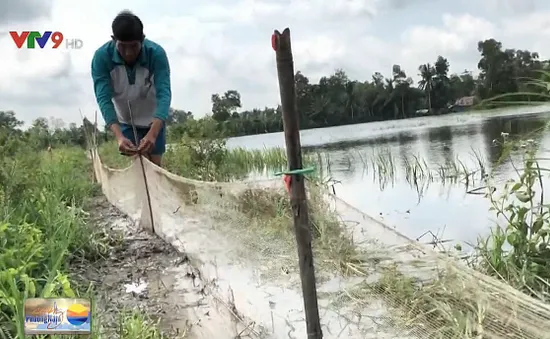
x,y
444,209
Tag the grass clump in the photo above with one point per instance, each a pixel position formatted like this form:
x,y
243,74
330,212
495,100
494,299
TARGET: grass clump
x,y
270,216
386,168
138,325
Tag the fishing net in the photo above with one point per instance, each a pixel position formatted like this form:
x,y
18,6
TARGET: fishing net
x,y
372,281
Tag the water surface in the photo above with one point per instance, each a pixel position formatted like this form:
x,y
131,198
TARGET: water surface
x,y
444,208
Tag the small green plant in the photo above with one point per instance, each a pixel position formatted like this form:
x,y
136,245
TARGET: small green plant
x,y
519,252
138,325
200,158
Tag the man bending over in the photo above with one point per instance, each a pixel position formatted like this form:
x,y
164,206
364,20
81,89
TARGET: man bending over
x,y
131,78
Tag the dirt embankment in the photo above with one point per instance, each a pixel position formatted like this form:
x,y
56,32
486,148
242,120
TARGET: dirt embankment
x,y
145,273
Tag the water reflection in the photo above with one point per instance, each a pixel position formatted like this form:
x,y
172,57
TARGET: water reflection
x,y
406,142
368,143
443,138
526,127
492,130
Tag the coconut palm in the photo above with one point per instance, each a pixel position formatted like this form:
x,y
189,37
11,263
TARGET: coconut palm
x,y
427,73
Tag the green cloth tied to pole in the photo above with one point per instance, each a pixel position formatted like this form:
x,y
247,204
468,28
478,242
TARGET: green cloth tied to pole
x,y
296,171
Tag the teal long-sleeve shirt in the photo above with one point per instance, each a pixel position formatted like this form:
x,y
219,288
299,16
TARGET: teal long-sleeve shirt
x,y
146,85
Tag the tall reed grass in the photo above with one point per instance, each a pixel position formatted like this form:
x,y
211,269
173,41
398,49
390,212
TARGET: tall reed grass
x,y
210,160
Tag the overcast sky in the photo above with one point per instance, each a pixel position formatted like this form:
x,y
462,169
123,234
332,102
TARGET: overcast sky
x,y
217,45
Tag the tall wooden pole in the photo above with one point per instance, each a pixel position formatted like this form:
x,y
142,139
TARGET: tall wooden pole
x,y
285,69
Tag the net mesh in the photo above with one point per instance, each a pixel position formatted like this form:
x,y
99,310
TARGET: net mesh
x,y
373,282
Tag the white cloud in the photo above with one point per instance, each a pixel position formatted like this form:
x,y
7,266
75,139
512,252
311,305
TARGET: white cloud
x,y
511,6
456,40
225,44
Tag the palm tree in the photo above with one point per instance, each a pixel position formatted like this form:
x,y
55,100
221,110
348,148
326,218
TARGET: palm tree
x,y
402,84
390,95
350,97
427,73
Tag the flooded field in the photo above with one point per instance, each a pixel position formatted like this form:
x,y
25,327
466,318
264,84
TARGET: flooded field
x,y
374,164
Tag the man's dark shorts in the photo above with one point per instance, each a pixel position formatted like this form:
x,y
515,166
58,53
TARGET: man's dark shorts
x,y
160,143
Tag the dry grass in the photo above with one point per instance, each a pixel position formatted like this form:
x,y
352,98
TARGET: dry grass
x,y
270,225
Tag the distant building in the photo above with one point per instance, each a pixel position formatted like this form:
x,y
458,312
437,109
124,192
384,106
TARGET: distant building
x,y
465,102
462,104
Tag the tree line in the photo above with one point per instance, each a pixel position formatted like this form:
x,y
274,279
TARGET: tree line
x,y
337,99
44,133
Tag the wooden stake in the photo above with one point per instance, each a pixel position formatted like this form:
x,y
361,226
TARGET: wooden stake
x,y
285,69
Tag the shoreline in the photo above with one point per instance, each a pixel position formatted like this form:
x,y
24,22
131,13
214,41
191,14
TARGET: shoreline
x,y
355,133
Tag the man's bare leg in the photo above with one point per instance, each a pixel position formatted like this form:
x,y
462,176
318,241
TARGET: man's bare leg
x,y
156,159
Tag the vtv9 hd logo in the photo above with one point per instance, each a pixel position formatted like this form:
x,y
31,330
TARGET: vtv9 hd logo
x,y
32,38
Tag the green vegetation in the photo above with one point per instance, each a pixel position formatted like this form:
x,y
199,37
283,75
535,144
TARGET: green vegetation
x,y
384,168
137,325
44,229
519,251
39,187
207,160
43,198
42,188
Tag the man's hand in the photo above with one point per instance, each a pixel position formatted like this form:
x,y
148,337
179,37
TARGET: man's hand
x,y
125,146
147,144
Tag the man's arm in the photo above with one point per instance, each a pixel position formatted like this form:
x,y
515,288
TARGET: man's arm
x,y
161,70
104,92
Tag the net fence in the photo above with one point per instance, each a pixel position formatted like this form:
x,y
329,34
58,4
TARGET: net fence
x,y
373,282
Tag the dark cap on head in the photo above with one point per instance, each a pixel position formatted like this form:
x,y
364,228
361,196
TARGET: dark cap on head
x,y
127,27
